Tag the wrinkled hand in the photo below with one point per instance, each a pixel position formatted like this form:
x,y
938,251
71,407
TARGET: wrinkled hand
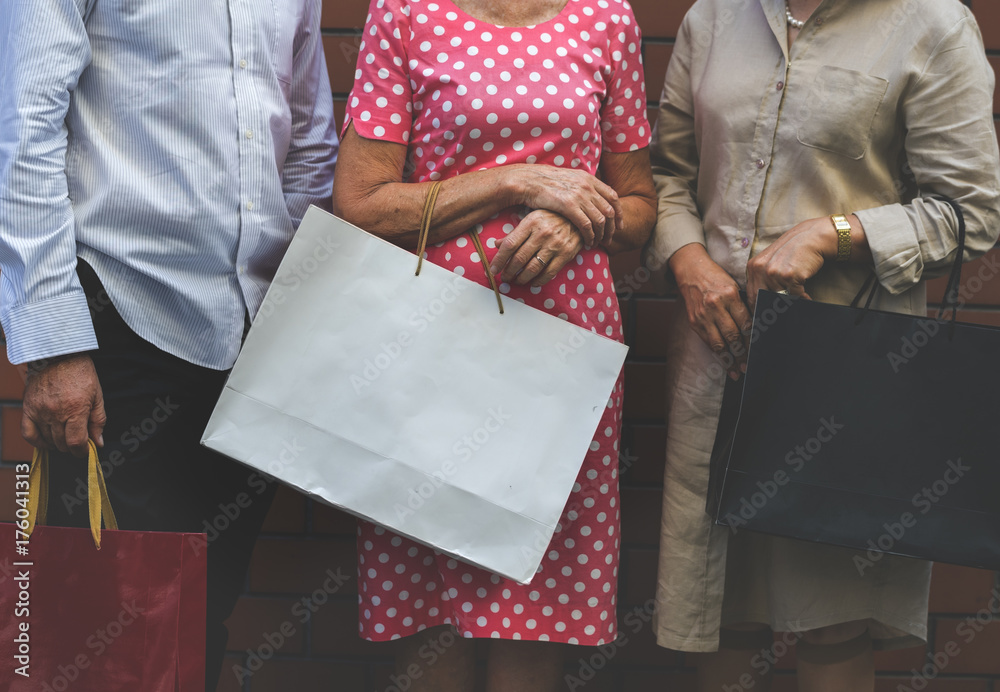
x,y
541,245
589,204
792,259
63,405
715,309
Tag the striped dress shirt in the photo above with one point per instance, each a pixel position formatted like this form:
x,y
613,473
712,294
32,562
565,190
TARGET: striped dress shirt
x,y
174,145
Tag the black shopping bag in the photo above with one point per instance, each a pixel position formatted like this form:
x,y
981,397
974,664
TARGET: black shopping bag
x,y
865,429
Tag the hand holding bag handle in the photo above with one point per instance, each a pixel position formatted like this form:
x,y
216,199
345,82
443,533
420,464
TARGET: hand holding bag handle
x,y
425,228
951,288
97,493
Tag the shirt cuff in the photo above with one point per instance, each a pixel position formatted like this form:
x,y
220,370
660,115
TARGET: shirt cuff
x,y
894,246
670,235
49,328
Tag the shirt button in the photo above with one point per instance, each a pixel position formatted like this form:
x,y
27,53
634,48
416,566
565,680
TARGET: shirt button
x,y
249,134
243,269
744,242
250,205
759,163
243,64
779,86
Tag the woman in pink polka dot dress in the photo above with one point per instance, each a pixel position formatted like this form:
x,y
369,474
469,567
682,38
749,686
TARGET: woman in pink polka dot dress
x,y
533,114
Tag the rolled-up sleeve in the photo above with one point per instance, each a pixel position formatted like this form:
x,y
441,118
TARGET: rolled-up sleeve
x,y
46,49
951,150
307,176
674,155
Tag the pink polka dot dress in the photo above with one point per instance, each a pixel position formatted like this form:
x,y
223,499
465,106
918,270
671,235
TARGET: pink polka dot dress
x,y
465,95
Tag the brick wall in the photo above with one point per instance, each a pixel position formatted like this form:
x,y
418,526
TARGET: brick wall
x,y
303,540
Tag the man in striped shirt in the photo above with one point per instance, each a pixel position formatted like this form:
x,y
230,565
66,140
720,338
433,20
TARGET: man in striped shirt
x,y
155,159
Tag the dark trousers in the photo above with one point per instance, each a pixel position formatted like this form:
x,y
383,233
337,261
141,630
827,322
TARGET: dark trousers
x,y
159,477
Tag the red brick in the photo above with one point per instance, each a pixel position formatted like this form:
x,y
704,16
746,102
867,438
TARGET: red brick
x,y
977,649
339,104
344,14
654,318
652,114
305,675
886,684
11,382
989,318
895,660
655,57
901,660
645,395
386,680
335,632
327,519
995,64
988,15
7,505
12,445
228,681
785,682
288,565
581,674
659,681
341,61
646,449
636,643
957,589
637,579
631,278
287,513
641,515
255,617
975,290
659,19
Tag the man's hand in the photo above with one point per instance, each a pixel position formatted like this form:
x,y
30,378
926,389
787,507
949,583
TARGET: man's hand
x,y
63,405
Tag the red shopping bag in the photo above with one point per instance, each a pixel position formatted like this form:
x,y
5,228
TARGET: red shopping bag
x,y
93,611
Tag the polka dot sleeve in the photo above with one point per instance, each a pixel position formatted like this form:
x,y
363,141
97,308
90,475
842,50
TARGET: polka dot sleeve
x,y
623,115
380,104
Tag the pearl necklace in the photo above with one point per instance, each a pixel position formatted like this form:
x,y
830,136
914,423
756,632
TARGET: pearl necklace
x,y
792,21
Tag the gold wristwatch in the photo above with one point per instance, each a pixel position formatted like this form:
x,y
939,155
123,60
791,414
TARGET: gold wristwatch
x,y
843,237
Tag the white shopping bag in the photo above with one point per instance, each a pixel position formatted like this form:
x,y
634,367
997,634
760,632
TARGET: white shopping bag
x,y
411,402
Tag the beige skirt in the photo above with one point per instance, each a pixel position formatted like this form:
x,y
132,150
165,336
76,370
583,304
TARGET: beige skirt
x,y
709,576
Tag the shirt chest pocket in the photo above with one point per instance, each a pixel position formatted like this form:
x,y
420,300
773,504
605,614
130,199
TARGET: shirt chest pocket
x,y
286,21
840,110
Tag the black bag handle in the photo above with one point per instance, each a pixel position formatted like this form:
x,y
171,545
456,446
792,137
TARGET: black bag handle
x,y
954,279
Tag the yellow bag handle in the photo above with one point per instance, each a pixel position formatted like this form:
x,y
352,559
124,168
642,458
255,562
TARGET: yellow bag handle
x,y
97,493
425,229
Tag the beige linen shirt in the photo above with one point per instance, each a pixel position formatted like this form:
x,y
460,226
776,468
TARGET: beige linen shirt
x,y
875,106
